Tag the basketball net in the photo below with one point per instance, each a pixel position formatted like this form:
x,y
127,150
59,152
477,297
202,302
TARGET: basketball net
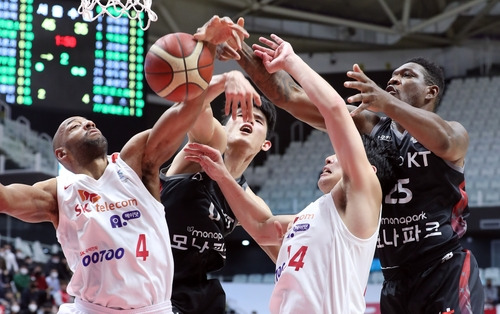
x,y
117,8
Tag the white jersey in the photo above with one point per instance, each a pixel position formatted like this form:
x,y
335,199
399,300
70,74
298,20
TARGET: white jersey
x,y
115,238
322,267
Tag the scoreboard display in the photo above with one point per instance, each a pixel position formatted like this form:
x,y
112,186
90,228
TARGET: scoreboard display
x,y
51,57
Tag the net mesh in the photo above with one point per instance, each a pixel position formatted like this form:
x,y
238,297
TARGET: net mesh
x,y
139,10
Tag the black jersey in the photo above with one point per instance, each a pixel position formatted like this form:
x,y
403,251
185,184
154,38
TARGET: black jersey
x,y
423,216
198,218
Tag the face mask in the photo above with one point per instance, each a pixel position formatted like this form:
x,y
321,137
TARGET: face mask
x,y
54,274
32,307
23,271
15,308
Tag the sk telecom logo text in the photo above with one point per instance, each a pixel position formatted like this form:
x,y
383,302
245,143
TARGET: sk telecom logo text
x,y
86,197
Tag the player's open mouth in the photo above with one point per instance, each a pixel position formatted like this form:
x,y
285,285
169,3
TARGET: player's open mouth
x,y
246,128
391,90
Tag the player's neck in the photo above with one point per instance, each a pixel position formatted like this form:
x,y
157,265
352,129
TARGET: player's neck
x,y
236,162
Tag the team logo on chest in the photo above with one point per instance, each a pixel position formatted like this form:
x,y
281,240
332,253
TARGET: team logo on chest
x,y
92,202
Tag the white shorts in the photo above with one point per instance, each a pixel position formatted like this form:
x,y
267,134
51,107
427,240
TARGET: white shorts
x,y
84,307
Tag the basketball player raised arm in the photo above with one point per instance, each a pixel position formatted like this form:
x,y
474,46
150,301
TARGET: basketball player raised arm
x,y
358,193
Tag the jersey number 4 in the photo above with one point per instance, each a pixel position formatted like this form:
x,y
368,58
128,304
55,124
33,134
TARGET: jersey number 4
x,y
297,259
141,249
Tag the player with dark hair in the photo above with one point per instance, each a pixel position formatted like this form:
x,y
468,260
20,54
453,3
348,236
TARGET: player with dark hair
x,y
106,212
325,257
197,213
425,267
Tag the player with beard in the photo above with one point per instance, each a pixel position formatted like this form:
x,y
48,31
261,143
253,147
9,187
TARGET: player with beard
x,y
106,212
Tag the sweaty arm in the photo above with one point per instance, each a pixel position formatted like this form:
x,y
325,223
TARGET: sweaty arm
x,y
36,203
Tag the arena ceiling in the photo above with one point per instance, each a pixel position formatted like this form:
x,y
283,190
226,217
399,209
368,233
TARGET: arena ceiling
x,y
341,25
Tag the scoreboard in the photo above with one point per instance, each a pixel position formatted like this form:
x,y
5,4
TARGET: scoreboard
x,y
51,57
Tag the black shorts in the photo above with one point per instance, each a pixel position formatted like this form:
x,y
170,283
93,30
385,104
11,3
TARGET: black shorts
x,y
205,297
449,286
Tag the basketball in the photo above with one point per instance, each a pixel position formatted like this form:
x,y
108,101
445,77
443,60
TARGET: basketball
x,y
178,67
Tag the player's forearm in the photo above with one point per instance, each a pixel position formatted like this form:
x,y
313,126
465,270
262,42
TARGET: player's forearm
x,y
280,89
321,93
449,141
216,87
252,216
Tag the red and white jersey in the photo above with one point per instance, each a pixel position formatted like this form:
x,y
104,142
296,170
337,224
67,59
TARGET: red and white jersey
x,y
322,267
115,238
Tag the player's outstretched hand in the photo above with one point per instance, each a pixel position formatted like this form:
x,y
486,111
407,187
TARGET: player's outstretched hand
x,y
209,159
238,90
223,30
370,95
275,55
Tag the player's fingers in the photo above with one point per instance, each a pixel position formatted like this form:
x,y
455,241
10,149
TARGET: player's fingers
x,y
355,98
256,100
267,51
231,53
226,20
243,33
227,107
259,54
234,109
268,42
244,110
241,22
356,75
249,105
355,85
236,40
357,111
258,48
277,39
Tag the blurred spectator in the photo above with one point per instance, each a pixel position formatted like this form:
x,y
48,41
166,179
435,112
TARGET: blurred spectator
x,y
10,259
38,278
53,282
60,265
29,263
47,308
32,298
61,296
20,255
65,272
22,279
15,308
490,293
3,265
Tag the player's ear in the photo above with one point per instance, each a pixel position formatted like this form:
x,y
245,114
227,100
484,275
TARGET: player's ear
x,y
60,153
374,169
266,145
432,92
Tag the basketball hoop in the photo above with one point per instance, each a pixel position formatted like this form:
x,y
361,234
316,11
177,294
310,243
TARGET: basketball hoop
x,y
117,8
